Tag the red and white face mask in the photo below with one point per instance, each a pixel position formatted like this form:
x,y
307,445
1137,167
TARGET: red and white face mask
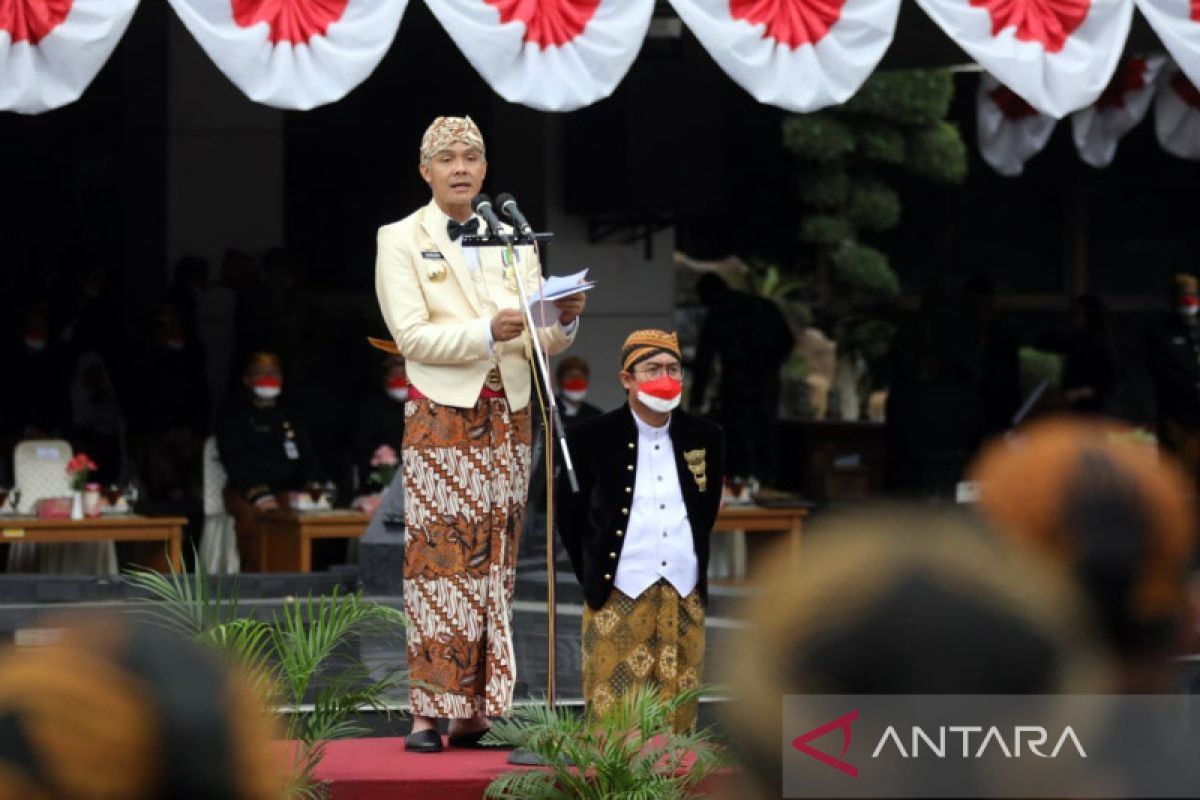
x,y
397,389
268,388
575,389
35,341
1188,305
661,394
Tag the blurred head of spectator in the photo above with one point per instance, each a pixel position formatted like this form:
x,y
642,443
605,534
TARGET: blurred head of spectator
x,y
1113,512
168,333
263,377
712,290
115,710
902,602
191,275
238,271
572,377
394,377
1183,294
34,329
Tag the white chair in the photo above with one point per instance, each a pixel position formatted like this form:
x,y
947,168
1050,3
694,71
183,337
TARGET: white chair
x,y
40,471
218,540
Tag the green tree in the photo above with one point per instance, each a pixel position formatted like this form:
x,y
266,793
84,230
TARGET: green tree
x,y
895,124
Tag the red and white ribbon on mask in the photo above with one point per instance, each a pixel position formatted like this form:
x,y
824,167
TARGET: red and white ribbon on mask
x,y
552,55
293,54
1177,23
50,50
1098,128
1058,55
1177,115
799,55
1010,130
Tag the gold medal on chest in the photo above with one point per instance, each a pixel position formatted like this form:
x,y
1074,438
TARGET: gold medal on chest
x,y
509,272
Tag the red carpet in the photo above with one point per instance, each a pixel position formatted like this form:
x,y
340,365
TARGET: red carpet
x,y
379,769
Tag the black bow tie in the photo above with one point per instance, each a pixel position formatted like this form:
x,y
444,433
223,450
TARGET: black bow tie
x,y
457,229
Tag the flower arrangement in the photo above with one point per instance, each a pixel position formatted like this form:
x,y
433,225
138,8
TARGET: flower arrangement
x,y
78,469
386,462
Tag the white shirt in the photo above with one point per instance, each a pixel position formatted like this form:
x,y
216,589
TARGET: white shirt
x,y
658,538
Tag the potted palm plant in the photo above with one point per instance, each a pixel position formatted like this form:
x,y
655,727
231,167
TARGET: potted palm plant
x,y
630,752
302,655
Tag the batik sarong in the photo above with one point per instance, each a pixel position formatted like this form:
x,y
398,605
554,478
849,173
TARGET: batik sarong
x,y
465,481
656,639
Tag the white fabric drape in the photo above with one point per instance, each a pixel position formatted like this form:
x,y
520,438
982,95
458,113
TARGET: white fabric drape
x,y
1098,129
1056,54
51,51
1177,23
552,55
1010,130
293,54
799,55
1177,115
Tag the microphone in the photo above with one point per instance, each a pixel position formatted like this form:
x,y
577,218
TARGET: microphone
x,y
482,205
508,206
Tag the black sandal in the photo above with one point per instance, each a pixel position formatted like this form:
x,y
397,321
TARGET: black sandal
x,y
426,741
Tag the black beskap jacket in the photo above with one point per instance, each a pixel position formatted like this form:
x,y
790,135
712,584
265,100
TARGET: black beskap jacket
x,y
592,523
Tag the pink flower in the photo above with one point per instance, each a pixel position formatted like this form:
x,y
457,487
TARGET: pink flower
x,y
80,463
384,456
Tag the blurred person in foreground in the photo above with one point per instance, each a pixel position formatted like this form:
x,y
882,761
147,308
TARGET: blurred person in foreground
x,y
113,711
900,602
1116,515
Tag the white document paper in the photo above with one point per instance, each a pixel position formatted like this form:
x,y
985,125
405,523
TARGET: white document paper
x,y
556,287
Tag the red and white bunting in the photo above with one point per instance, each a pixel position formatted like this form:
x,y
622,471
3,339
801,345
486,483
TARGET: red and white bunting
x,y
293,54
799,55
552,55
1177,115
50,50
1098,128
1177,23
1010,130
1058,55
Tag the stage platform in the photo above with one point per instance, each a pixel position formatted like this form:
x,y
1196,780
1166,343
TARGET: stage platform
x,y
379,769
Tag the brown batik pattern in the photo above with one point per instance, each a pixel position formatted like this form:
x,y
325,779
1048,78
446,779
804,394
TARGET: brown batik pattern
x,y
465,481
655,639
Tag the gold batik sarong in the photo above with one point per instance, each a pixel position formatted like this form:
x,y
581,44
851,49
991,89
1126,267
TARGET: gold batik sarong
x,y
655,639
465,481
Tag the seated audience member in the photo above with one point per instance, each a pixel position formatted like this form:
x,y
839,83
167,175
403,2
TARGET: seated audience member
x,y
114,710
265,452
900,602
380,418
97,416
41,409
1116,515
572,378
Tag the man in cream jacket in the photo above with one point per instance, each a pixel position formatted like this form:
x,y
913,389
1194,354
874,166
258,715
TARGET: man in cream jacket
x,y
455,314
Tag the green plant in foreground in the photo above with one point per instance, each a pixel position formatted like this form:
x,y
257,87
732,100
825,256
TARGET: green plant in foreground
x,y
300,655
631,753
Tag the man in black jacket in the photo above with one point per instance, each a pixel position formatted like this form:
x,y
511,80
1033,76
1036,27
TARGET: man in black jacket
x,y
650,479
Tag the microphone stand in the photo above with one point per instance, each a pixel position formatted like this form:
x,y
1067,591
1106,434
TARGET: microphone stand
x,y
553,422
